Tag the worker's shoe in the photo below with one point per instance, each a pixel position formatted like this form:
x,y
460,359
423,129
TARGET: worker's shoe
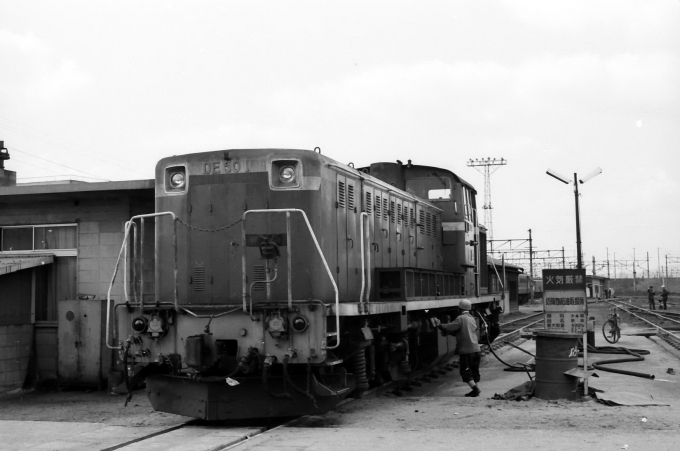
x,y
474,393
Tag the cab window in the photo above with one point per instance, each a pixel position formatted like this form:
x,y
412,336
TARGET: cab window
x,y
434,188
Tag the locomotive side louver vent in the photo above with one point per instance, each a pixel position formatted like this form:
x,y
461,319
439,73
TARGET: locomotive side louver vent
x,y
392,212
368,203
386,210
398,214
341,194
378,206
428,219
258,274
350,197
413,219
199,278
421,221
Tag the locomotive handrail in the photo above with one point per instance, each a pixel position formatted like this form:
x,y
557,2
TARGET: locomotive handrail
x,y
364,264
318,248
123,249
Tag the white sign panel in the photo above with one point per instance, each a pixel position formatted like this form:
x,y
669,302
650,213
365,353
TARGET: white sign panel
x,y
564,301
571,322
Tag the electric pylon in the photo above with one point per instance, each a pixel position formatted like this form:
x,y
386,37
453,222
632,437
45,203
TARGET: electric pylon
x,y
487,163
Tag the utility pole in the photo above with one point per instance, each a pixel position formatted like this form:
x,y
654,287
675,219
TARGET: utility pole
x,y
658,264
615,265
531,269
486,164
594,266
648,276
564,265
634,288
579,264
608,277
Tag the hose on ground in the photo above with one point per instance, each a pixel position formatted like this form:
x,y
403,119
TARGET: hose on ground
x,y
517,366
635,356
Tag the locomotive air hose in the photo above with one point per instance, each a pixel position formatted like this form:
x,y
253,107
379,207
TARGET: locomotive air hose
x,y
126,376
265,384
311,397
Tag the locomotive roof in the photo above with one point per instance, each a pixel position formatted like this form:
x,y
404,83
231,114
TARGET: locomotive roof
x,y
427,168
455,176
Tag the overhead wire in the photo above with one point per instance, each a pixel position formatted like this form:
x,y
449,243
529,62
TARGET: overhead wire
x,y
15,149
56,141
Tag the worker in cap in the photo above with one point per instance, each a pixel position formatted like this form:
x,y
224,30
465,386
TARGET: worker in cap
x,y
650,298
464,328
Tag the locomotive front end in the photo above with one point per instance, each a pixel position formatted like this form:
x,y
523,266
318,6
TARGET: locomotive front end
x,y
240,324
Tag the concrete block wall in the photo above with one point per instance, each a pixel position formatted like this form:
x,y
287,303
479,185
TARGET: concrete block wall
x,y
99,244
16,342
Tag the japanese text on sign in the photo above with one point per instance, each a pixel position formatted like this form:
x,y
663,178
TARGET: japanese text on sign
x,y
564,301
566,322
564,279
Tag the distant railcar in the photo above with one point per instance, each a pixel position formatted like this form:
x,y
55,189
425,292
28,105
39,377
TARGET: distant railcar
x,y
524,284
285,281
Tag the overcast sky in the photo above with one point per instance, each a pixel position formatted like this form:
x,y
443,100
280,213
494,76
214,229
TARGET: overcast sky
x,y
105,89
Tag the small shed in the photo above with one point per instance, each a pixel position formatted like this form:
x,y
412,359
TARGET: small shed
x,y
596,286
499,271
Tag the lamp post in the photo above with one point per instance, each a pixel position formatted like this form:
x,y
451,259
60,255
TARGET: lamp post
x,y
561,178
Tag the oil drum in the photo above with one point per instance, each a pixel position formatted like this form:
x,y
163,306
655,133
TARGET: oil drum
x,y
556,352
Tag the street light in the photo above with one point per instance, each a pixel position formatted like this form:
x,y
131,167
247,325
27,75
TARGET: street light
x,y
563,179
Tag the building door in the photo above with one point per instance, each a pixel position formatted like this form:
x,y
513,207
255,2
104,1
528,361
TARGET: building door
x,y
80,331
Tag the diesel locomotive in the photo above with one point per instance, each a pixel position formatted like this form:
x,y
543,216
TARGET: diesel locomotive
x,y
284,281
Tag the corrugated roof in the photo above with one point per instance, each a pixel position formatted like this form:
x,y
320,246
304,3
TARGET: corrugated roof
x,y
11,263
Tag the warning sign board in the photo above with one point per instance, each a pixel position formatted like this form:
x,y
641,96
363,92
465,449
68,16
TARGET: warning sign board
x,y
564,300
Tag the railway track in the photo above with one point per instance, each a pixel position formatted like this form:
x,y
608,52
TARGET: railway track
x,y
513,330
662,323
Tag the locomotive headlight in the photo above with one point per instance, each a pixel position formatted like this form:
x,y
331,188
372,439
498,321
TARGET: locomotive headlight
x,y
287,174
139,324
177,180
300,323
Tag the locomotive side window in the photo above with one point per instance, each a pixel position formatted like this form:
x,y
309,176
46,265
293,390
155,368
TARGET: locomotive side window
x,y
468,206
435,188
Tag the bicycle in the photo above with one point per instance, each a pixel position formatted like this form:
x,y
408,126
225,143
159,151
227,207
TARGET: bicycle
x,y
611,329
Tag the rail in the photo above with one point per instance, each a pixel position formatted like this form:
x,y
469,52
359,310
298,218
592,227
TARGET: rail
x,y
123,252
288,211
507,337
666,335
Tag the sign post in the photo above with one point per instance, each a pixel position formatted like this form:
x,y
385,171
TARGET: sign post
x,y
565,308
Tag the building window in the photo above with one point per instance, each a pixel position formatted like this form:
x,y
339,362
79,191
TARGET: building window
x,y
38,237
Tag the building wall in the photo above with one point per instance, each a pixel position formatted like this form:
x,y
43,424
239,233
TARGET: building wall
x,y
16,343
100,218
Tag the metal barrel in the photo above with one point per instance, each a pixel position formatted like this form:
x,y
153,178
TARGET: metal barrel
x,y
556,352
